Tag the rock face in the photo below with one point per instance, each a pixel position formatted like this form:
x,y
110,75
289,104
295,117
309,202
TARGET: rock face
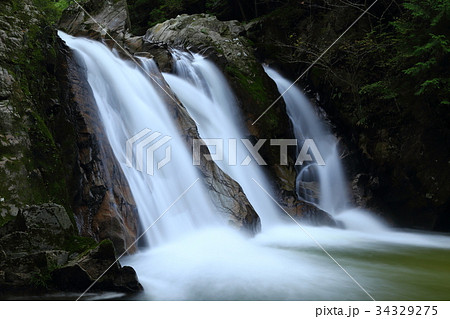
x,y
40,244
226,193
103,17
19,184
47,155
104,207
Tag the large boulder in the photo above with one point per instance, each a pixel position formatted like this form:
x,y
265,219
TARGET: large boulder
x,y
40,251
227,195
224,42
96,19
97,266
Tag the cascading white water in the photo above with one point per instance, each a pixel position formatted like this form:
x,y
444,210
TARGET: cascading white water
x,y
128,103
194,257
333,193
205,93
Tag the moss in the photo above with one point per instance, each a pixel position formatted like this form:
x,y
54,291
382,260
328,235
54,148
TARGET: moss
x,y
43,278
5,219
254,86
78,244
34,173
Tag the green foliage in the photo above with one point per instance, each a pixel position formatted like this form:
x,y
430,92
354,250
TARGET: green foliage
x,y
147,13
78,244
6,219
52,9
418,55
41,279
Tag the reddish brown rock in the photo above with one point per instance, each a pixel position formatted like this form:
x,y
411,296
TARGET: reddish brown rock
x,y
103,205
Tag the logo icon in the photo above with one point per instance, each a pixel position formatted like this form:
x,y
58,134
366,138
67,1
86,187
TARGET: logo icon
x,y
145,150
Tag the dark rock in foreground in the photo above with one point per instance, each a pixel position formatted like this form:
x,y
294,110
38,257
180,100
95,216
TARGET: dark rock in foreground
x,y
40,251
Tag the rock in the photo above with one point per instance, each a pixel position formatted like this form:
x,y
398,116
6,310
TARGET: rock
x,y
226,193
38,251
50,218
225,44
17,183
112,15
305,212
85,270
104,207
160,53
32,244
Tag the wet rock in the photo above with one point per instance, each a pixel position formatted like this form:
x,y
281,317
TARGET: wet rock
x,y
105,17
226,193
225,44
80,273
39,251
32,244
307,213
104,207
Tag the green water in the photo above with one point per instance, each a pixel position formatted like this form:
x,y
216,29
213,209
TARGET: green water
x,y
401,273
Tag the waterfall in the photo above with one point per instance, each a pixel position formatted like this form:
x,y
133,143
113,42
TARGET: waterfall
x,y
128,104
205,93
324,185
192,254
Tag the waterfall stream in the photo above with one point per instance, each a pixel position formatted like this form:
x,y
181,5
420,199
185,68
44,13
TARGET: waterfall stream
x,y
209,100
332,194
193,255
128,104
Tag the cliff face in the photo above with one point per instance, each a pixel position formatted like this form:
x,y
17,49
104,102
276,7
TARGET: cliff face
x,y
45,154
396,158
103,206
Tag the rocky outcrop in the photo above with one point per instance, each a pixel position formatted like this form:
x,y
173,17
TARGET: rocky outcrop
x,y
99,19
100,266
226,193
19,183
224,42
104,207
46,156
306,213
41,243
